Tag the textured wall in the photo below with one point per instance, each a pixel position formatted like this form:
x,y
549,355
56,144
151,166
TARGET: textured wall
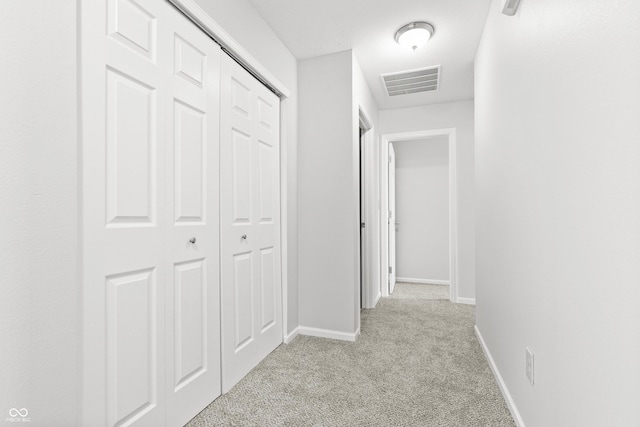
x,y
39,287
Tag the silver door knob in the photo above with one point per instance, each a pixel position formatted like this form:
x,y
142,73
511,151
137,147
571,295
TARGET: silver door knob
x,y
192,240
244,237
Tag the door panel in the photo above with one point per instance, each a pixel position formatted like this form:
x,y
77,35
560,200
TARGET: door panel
x,y
190,321
241,179
192,180
133,24
132,351
267,288
131,147
124,264
267,177
250,222
243,300
189,163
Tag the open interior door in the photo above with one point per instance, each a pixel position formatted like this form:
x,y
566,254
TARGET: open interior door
x,y
392,219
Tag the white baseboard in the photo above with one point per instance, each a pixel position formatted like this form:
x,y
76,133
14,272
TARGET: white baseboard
x,y
425,281
470,301
325,333
288,338
503,387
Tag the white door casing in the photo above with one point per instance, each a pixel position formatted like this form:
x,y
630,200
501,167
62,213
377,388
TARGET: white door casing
x,y
150,337
450,133
392,219
250,222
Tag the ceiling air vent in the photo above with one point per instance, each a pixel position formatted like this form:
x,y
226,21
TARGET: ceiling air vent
x,y
414,81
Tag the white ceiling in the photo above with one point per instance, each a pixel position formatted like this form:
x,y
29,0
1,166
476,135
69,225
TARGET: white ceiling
x,y
312,28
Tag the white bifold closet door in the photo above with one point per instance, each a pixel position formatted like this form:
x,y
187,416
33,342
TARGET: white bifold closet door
x,y
250,222
150,215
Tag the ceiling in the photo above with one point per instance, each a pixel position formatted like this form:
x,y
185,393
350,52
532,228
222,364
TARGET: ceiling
x,y
312,28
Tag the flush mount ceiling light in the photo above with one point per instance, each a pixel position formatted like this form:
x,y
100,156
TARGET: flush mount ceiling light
x,y
414,35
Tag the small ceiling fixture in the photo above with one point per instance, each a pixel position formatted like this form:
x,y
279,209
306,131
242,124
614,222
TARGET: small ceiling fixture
x,y
414,34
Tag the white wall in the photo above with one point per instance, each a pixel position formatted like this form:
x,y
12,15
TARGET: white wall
x,y
457,115
331,91
39,286
558,202
328,198
240,19
422,209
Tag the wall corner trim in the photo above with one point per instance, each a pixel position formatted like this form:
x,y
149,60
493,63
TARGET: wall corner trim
x,y
470,301
503,386
202,19
291,336
326,333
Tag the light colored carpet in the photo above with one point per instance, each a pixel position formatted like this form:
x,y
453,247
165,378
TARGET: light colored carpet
x,y
417,363
420,291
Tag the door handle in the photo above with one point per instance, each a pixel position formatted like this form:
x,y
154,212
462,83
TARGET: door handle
x,y
243,237
192,240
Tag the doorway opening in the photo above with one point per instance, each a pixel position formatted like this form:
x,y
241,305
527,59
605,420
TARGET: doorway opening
x,y
388,227
368,290
420,206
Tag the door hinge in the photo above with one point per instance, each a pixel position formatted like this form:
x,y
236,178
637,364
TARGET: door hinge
x,y
389,158
390,270
389,214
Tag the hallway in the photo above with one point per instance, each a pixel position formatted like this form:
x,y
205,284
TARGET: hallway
x,y
417,363
116,152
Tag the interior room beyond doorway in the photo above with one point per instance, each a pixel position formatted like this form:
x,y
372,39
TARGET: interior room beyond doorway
x,y
422,210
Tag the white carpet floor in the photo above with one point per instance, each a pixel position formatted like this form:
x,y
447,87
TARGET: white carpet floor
x,y
416,363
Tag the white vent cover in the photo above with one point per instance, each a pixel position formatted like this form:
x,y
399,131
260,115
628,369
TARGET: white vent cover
x,y
414,81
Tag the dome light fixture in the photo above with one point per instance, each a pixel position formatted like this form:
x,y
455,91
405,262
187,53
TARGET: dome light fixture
x,y
414,35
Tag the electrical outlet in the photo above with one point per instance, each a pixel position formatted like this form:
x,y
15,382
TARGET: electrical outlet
x,y
529,366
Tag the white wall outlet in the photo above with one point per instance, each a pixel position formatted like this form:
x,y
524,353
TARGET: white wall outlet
x,y
529,368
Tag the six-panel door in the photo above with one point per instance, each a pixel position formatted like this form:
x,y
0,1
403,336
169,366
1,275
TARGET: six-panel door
x,y
150,215
192,236
250,222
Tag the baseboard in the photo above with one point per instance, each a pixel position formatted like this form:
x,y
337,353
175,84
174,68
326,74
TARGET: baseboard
x,y
503,387
375,303
423,281
470,301
288,338
325,333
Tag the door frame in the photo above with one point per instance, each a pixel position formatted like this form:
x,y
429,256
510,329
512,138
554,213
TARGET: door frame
x,y
192,11
386,139
370,289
